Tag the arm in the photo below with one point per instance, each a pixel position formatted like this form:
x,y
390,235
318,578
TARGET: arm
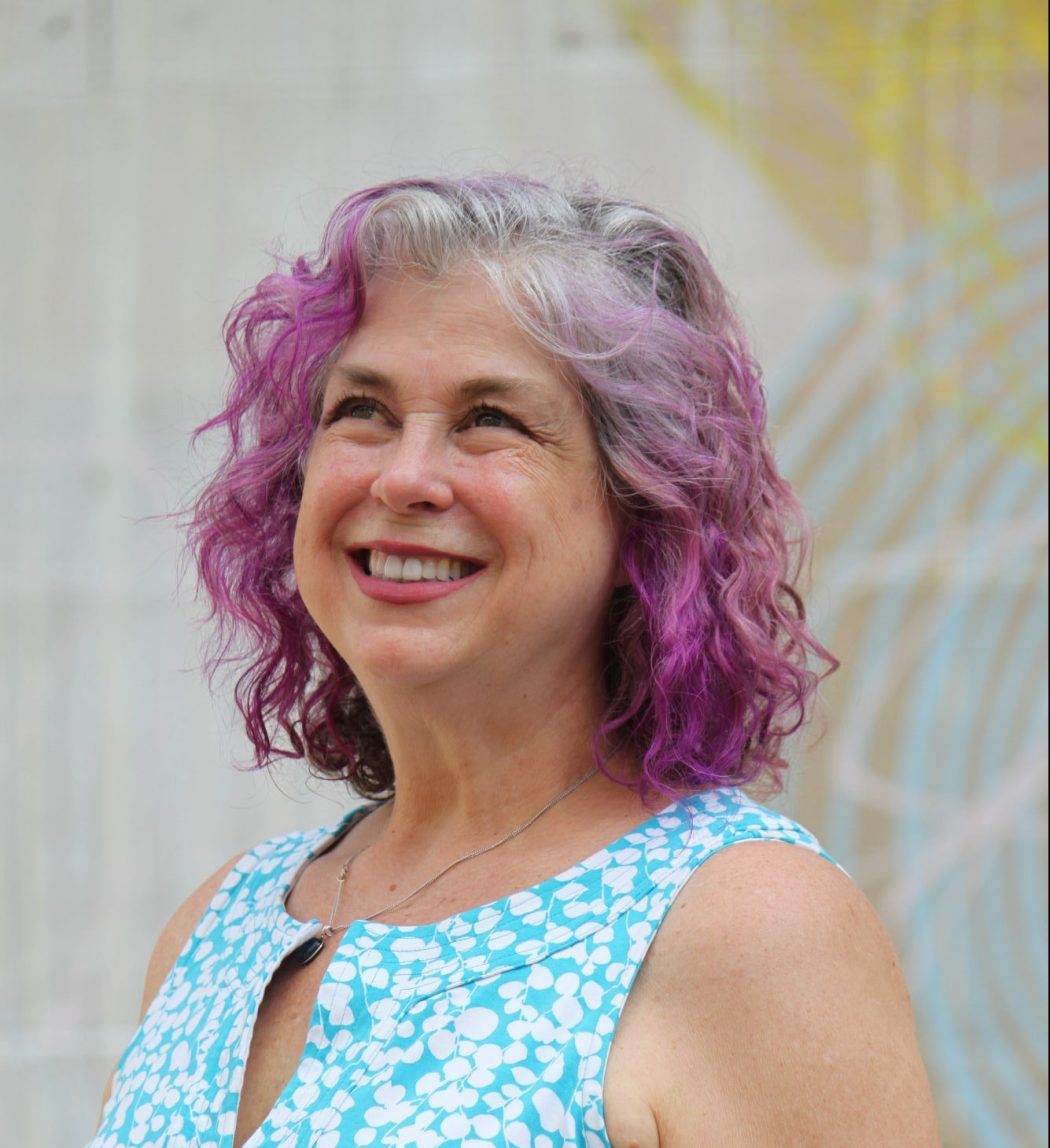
x,y
776,1013
172,940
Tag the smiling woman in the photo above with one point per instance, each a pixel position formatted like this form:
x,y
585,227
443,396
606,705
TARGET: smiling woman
x,y
500,540
420,464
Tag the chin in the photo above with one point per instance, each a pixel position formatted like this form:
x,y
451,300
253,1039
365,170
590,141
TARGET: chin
x,y
391,664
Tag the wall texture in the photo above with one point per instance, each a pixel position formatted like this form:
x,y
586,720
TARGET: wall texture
x,y
872,181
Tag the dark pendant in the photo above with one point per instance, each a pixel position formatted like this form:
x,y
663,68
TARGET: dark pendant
x,y
308,950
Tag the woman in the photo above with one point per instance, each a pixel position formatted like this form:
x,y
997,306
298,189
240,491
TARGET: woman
x,y
501,542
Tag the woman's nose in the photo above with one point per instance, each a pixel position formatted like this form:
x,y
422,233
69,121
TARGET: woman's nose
x,y
413,472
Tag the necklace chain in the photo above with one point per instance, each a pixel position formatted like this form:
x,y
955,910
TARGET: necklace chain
x,y
313,946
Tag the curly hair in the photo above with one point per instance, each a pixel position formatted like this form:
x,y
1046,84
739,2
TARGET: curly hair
x,y
708,656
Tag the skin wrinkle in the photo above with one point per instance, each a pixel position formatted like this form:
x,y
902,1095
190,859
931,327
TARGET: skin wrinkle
x,y
693,673
520,397
680,421
524,508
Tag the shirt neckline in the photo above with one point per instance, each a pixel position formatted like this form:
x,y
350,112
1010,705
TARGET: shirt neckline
x,y
564,918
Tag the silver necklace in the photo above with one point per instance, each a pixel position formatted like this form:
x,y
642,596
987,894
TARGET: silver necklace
x,y
309,949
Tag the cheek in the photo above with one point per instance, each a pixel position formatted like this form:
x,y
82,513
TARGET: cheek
x,y
583,520
310,525
303,519
301,565
331,484
314,560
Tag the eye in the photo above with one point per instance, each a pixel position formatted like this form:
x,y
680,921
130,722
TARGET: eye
x,y
488,417
359,407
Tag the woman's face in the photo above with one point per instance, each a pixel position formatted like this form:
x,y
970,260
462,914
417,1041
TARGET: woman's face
x,y
452,519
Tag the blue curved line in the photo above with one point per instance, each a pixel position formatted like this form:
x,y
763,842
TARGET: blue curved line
x,y
1001,304
1004,201
998,688
903,483
1022,194
825,403
813,348
1032,893
944,282
923,732
1029,345
920,738
914,756
945,758
1028,663
955,1070
1039,943
895,397
890,607
970,456
894,401
886,620
888,611
1020,968
1029,974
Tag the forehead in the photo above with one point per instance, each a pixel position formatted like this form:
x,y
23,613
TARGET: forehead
x,y
450,329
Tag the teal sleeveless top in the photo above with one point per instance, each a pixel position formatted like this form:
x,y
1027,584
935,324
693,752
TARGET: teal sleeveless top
x,y
490,1027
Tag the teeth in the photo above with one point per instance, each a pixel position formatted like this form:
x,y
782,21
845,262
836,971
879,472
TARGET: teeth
x,y
394,568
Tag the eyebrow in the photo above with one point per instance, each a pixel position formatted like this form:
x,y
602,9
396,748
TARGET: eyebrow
x,y
507,386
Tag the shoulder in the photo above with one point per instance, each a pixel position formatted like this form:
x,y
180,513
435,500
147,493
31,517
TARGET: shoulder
x,y
173,938
176,932
758,905
776,985
261,866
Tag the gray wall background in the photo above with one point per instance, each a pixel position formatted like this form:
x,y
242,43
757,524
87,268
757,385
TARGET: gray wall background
x,y
153,153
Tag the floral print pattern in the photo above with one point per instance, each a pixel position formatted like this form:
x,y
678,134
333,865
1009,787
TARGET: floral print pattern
x,y
490,1027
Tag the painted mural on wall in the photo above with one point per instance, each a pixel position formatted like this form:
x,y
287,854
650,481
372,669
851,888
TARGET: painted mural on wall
x,y
908,143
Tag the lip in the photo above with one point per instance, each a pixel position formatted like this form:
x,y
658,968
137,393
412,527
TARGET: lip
x,y
406,593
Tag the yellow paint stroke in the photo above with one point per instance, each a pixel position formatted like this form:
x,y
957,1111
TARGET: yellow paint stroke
x,y
935,54
710,107
910,95
892,72
1014,440
1033,32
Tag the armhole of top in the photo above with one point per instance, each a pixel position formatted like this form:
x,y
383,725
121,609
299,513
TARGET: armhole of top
x,y
676,881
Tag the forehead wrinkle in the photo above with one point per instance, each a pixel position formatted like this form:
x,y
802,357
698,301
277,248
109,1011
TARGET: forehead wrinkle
x,y
501,386
360,376
479,387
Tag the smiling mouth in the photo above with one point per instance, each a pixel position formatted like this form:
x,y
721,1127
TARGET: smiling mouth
x,y
405,568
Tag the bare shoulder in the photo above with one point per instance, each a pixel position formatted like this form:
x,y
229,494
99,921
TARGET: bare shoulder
x,y
173,938
781,1009
176,932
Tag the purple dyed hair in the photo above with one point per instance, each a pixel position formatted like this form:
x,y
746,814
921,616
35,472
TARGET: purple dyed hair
x,y
708,655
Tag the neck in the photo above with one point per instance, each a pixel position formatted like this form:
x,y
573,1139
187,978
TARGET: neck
x,y
470,772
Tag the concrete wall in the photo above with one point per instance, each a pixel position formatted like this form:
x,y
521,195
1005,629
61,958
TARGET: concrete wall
x,y
871,180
